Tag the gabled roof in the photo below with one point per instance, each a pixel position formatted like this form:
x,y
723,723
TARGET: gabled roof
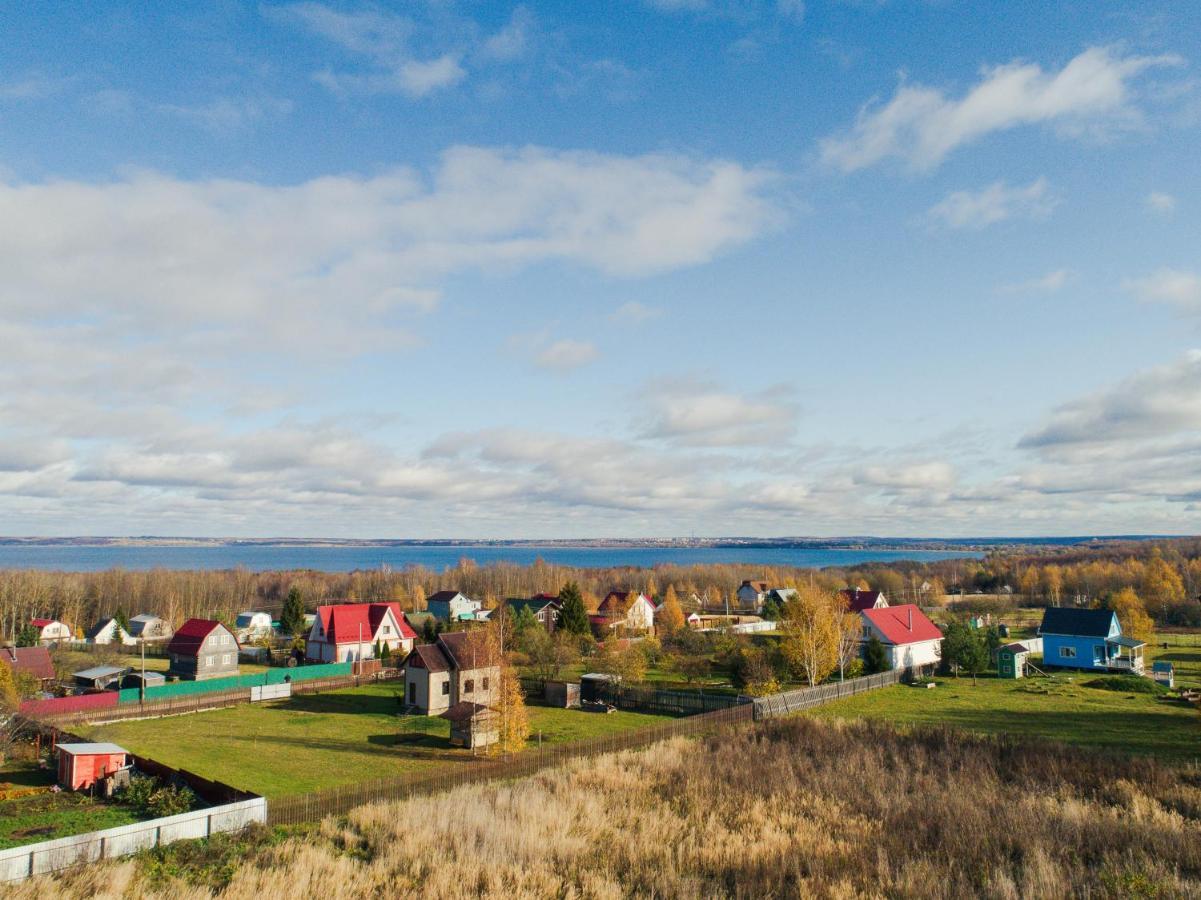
x,y
139,623
344,623
41,623
34,660
860,600
905,624
445,596
458,649
1016,647
429,657
101,627
190,637
618,602
533,604
1065,620
760,586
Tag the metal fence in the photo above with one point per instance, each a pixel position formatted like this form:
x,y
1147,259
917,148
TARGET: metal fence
x,y
806,698
200,703
340,800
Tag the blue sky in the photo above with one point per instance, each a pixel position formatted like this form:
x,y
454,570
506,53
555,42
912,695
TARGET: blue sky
x,y
440,269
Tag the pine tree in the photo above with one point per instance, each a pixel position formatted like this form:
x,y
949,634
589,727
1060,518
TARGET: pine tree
x,y
291,618
573,617
875,658
121,619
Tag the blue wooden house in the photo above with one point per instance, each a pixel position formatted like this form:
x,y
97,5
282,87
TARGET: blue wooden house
x,y
1089,639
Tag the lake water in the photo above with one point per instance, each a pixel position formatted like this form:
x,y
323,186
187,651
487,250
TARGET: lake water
x,y
345,559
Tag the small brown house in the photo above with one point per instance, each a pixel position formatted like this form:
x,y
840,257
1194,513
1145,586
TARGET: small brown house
x,y
472,725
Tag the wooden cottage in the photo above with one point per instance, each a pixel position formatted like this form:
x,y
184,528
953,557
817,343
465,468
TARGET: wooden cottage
x,y
203,649
472,725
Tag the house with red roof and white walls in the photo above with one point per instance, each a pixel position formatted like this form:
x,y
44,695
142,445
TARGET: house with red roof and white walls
x,y
350,632
911,639
202,649
51,631
623,611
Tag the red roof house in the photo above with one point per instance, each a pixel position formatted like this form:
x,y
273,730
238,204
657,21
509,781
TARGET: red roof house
x,y
51,631
913,641
858,601
33,661
203,648
351,631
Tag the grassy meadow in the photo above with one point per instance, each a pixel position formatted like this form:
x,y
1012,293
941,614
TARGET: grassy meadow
x,y
320,740
1061,708
788,808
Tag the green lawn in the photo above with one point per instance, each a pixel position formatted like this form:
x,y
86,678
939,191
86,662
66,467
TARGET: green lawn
x,y
1053,708
78,660
321,740
1184,653
43,816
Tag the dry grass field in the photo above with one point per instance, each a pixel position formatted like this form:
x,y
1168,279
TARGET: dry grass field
x,y
795,807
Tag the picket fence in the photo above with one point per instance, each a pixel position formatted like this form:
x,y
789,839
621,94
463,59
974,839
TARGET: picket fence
x,y
806,698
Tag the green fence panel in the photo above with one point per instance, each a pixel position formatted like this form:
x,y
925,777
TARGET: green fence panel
x,y
235,682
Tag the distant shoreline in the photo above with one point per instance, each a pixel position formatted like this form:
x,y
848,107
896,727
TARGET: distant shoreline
x,y
980,544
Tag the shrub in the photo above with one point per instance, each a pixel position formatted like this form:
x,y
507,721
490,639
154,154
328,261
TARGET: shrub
x,y
1127,684
150,797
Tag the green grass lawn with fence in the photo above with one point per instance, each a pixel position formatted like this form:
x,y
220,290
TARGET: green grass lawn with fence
x,y
1060,708
322,740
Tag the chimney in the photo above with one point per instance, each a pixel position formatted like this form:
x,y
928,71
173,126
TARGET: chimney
x,y
910,611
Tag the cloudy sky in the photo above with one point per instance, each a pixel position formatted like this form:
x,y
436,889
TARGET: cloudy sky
x,y
620,268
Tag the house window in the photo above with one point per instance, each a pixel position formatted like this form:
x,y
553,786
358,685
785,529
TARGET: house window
x,y
225,659
468,685
208,661
387,629
485,684
1067,652
445,688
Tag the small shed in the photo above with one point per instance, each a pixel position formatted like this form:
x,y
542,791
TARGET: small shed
x,y
149,679
99,678
1164,673
82,765
596,686
563,694
472,725
1011,660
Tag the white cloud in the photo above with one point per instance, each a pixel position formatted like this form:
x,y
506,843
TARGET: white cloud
x,y
227,114
922,125
511,42
566,354
635,313
1177,287
1153,404
696,413
1159,202
936,475
995,203
303,263
1050,283
31,87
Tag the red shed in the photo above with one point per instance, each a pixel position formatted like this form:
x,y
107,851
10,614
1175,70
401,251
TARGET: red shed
x,y
80,765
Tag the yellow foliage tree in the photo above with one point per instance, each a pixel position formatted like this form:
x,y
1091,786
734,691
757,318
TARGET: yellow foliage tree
x,y
812,620
670,617
1132,615
9,699
1161,583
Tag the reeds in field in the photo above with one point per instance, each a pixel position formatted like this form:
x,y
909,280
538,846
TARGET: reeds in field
x,y
785,809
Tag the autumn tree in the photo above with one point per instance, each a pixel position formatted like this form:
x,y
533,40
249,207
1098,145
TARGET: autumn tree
x,y
1132,615
9,697
1161,584
811,632
670,618
850,629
